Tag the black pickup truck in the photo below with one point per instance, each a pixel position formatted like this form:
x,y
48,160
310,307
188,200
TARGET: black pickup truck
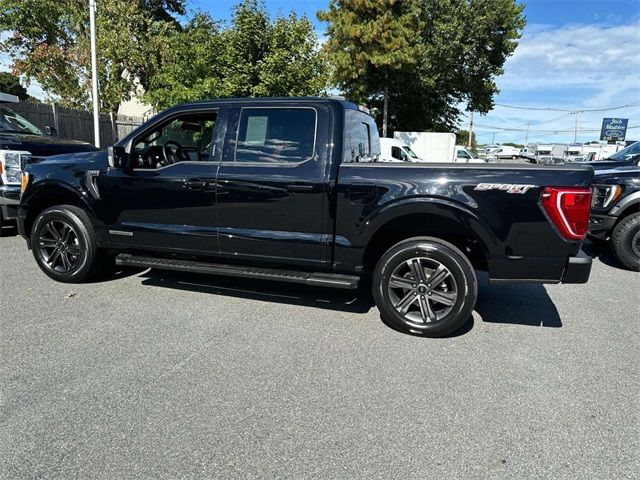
x,y
21,143
288,189
615,215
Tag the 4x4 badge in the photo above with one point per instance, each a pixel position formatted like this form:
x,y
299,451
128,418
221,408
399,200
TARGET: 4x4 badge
x,y
507,187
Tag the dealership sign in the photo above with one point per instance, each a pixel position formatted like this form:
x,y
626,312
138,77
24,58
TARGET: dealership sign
x,y
614,129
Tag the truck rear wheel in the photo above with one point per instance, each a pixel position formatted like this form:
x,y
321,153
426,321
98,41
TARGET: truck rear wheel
x,y
64,244
625,241
425,286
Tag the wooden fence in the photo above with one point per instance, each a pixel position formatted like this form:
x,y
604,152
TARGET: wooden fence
x,y
76,124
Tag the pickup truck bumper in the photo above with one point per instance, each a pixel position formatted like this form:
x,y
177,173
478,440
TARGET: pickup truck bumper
x,y
578,269
9,200
575,269
600,225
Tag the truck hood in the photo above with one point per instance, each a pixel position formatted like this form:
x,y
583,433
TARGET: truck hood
x,y
96,160
42,145
609,164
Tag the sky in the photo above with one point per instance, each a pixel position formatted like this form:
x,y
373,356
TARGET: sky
x,y
575,55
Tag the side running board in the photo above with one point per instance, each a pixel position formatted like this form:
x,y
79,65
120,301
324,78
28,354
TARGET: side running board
x,y
319,279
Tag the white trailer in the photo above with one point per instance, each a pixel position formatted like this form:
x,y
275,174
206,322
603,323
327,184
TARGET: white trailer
x,y
436,147
550,153
602,151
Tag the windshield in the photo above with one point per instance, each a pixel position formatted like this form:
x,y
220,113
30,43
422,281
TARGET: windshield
x,y
410,152
471,154
631,153
10,121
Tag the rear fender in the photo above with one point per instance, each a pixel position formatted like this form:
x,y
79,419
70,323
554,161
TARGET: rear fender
x,y
430,207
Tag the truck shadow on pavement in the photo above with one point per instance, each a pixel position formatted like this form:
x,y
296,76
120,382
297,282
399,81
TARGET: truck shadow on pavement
x,y
354,301
508,304
517,304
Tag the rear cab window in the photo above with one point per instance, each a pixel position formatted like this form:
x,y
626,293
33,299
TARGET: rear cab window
x,y
361,140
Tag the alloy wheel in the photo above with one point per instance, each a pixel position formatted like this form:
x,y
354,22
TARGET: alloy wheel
x,y
422,291
60,247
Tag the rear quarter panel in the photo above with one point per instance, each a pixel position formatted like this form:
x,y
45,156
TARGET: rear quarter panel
x,y
518,240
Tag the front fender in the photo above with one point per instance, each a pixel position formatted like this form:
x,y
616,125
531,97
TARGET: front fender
x,y
47,193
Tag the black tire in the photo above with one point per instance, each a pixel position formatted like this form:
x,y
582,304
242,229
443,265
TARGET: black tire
x,y
430,319
625,242
84,259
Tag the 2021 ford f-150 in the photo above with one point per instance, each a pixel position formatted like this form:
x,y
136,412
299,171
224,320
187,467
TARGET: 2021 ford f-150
x,y
288,189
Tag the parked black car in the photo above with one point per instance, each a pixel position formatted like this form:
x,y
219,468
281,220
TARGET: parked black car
x,y
616,211
286,189
20,143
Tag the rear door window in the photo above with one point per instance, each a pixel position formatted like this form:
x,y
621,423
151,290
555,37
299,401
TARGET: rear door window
x,y
276,135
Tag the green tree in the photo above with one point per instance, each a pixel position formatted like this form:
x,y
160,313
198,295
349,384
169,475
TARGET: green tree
x,y
457,50
372,43
462,138
50,43
252,56
10,84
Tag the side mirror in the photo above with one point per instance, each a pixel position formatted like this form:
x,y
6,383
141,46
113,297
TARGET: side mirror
x,y
118,157
51,131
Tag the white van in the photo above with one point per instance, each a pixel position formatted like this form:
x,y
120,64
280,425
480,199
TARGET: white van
x,y
392,150
462,155
503,152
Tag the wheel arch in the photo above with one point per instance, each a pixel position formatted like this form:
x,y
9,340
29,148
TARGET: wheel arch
x,y
442,219
629,208
49,195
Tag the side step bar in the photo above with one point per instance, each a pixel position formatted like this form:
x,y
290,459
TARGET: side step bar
x,y
319,279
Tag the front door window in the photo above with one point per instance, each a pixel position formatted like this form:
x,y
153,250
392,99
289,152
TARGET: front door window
x,y
186,138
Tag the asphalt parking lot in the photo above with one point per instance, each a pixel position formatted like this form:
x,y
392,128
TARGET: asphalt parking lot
x,y
164,375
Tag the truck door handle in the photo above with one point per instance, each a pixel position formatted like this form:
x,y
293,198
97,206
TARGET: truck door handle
x,y
299,188
195,184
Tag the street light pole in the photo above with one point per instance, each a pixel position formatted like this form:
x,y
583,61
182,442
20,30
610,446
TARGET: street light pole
x,y
470,130
94,74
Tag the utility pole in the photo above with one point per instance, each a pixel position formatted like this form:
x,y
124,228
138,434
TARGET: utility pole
x,y
493,139
470,130
526,137
575,129
94,74
385,108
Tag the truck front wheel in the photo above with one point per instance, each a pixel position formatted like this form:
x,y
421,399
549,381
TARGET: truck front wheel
x,y
425,286
64,244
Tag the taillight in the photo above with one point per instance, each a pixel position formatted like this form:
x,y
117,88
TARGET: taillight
x,y
568,208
